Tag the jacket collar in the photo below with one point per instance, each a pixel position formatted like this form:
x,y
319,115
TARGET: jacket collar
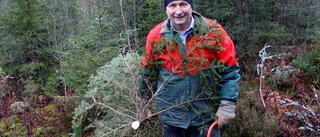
x,y
201,26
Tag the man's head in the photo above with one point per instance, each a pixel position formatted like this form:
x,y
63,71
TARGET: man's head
x,y
179,12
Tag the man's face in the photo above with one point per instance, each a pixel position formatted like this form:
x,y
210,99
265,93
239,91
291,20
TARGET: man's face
x,y
179,12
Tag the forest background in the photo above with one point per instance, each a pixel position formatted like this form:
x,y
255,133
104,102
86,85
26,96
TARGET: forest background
x,y
70,68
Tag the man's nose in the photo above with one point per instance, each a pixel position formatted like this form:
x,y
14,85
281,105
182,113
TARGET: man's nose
x,y
178,10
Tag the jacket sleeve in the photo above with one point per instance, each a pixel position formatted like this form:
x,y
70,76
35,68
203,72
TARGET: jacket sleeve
x,y
230,76
229,84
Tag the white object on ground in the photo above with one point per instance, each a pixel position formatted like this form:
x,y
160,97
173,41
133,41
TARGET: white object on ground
x,y
135,125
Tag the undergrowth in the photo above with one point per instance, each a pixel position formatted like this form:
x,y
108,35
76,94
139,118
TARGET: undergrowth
x,y
251,120
290,91
34,116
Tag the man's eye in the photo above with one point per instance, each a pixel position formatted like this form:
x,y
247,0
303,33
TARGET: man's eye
x,y
184,4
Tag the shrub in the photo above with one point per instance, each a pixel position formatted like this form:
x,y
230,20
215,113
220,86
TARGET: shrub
x,y
309,63
250,120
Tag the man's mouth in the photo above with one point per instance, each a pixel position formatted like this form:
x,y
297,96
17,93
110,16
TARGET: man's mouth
x,y
181,16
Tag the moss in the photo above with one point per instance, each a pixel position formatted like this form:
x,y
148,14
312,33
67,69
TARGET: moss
x,y
51,109
49,118
15,119
12,129
3,126
42,131
19,129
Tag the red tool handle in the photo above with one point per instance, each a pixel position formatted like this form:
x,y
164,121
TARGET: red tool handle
x,y
211,128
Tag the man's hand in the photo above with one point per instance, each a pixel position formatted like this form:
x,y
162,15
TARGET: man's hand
x,y
226,113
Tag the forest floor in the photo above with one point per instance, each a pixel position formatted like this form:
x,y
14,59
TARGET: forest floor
x,y
286,96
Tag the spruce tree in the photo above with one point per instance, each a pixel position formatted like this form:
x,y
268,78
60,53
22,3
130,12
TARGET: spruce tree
x,y
152,12
24,41
100,38
61,20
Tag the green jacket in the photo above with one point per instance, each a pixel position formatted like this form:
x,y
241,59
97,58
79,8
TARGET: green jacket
x,y
192,77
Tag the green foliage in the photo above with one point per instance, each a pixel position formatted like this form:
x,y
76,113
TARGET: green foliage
x,y
53,84
150,14
303,17
24,45
79,117
61,20
12,127
81,61
274,36
250,120
97,44
251,23
309,63
2,126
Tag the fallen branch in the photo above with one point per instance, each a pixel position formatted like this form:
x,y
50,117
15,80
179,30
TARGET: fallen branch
x,y
260,67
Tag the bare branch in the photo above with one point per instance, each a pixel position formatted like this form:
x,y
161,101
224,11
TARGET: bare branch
x,y
116,129
118,112
260,66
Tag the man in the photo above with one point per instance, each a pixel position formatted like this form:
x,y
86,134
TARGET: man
x,y
192,60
